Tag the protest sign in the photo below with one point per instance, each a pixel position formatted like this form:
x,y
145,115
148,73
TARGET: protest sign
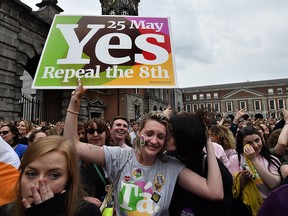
x,y
107,52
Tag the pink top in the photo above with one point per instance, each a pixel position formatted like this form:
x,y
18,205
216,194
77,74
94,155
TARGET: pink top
x,y
235,168
220,153
230,152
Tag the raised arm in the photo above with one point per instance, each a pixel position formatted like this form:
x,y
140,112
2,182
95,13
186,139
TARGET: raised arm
x,y
271,180
222,119
283,137
85,151
210,188
238,115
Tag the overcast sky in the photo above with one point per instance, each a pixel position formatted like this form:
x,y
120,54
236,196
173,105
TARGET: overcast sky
x,y
215,41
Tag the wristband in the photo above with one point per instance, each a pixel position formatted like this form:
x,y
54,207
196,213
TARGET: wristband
x,y
73,112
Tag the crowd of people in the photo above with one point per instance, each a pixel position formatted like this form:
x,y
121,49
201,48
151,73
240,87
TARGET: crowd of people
x,y
161,164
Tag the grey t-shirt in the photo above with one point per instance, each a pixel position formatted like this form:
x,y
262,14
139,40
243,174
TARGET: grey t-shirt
x,y
141,189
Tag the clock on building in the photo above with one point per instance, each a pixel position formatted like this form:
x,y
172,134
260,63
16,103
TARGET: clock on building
x,y
111,2
125,2
124,12
112,11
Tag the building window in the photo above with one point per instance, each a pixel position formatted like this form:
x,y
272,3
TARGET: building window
x,y
257,105
188,108
281,104
229,106
187,97
215,95
208,96
216,107
209,107
286,90
195,107
270,91
272,104
242,104
194,96
279,91
202,106
201,96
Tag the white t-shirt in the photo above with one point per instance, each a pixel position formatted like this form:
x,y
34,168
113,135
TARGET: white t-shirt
x,y
141,189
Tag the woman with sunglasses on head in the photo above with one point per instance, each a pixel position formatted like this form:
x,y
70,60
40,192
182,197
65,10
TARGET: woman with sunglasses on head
x,y
96,133
10,134
254,169
147,176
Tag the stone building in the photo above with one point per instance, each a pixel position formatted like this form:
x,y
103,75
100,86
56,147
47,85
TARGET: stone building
x,y
265,97
22,37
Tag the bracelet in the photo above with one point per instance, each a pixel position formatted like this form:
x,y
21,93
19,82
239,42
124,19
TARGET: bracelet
x,y
73,112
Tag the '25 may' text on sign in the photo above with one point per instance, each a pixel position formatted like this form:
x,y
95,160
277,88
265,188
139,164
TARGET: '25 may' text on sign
x,y
107,51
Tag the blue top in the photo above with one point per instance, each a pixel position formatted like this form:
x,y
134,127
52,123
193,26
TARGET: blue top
x,y
21,149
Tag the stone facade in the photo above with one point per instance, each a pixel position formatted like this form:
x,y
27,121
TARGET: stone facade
x,y
22,37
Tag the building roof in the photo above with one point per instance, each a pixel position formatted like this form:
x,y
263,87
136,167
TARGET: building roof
x,y
248,84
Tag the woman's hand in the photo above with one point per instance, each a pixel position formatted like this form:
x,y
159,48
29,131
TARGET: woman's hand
x,y
93,200
79,91
249,152
168,112
240,113
247,174
285,115
43,193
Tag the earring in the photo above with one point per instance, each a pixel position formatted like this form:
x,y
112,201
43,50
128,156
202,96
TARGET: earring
x,y
142,140
165,152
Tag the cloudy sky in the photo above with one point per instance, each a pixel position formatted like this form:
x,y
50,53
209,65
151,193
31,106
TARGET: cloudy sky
x,y
215,41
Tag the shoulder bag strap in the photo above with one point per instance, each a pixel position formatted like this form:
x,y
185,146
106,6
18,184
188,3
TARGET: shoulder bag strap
x,y
111,188
100,174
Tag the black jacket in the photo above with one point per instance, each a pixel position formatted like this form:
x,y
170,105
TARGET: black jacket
x,y
54,206
185,203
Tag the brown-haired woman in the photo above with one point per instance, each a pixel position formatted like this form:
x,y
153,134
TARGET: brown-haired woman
x,y
49,182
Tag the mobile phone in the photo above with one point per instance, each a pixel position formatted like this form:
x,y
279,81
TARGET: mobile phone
x,y
244,166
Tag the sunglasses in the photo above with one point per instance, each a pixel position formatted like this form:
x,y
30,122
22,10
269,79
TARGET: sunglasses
x,y
98,130
4,132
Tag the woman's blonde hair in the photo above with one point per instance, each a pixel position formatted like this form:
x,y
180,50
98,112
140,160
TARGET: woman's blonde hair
x,y
28,125
225,136
73,187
